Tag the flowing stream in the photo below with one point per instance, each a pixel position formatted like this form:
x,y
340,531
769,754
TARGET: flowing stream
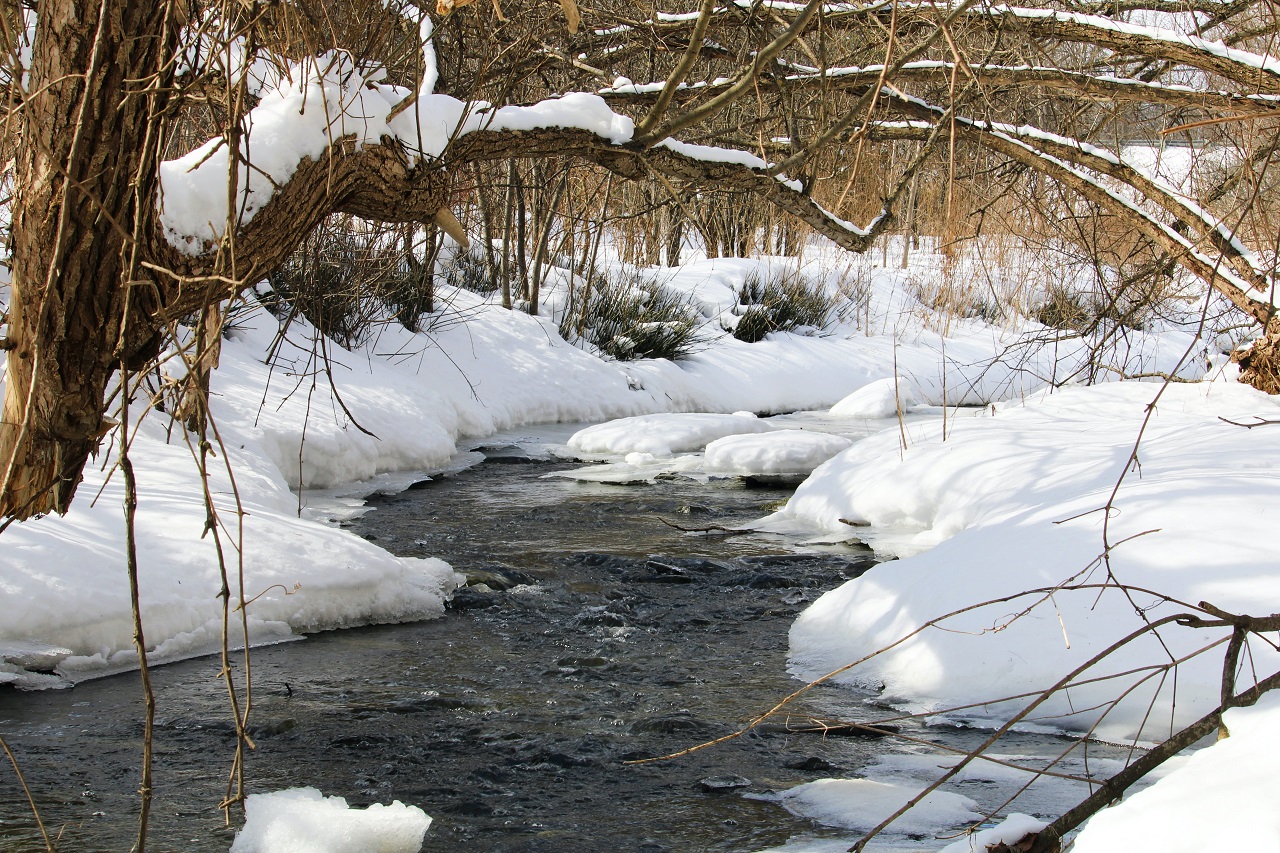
x,y
601,635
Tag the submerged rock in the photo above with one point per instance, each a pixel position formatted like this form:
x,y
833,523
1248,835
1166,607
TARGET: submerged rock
x,y
470,598
499,578
720,784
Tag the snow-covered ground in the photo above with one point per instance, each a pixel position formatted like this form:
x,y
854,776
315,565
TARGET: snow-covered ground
x,y
303,820
973,516
322,417
1012,502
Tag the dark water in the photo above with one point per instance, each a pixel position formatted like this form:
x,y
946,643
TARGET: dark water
x,y
510,720
610,636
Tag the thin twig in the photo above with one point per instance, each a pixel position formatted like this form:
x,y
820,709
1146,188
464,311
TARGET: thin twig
x,y
31,802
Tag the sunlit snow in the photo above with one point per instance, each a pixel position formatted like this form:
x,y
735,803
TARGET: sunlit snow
x,y
303,820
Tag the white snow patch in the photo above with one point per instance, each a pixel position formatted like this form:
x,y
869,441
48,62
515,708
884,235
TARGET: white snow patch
x,y
1010,831
303,820
789,451
580,110
662,435
861,804
1223,798
298,120
883,398
1012,500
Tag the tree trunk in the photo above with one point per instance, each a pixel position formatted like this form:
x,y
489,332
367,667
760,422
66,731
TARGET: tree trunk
x,y
675,235
79,152
506,234
521,223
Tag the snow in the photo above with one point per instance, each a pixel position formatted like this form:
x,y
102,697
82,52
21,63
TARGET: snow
x,y
712,154
1222,798
299,119
62,576
789,451
862,804
303,820
1010,831
883,398
1010,502
577,110
663,435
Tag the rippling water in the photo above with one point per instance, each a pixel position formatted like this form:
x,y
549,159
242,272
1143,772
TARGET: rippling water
x,y
512,719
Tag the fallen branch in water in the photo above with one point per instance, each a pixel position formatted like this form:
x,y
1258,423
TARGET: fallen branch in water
x,y
715,528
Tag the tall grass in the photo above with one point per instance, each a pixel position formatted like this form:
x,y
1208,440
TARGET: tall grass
x,y
782,302
633,317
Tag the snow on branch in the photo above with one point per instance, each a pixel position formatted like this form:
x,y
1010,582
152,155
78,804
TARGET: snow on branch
x,y
330,109
1241,66
836,13
1109,86
1028,146
1103,162
326,100
1098,24
669,161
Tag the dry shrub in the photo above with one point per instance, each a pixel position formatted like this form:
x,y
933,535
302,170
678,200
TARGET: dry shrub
x,y
781,303
638,317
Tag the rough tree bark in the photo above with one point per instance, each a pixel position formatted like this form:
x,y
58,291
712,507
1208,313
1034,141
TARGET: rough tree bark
x,y
78,155
94,280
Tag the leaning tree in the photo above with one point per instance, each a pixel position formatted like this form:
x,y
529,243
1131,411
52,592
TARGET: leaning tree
x,y
163,157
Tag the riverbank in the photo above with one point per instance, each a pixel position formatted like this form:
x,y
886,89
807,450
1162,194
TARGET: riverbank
x,y
298,410
319,416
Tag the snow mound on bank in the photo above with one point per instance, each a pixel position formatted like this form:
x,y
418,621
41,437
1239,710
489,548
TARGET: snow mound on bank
x,y
303,820
787,451
880,399
1223,798
662,435
1013,499
861,804
64,577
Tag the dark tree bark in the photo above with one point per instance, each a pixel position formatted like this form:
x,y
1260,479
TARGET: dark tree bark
x,y
80,152
94,280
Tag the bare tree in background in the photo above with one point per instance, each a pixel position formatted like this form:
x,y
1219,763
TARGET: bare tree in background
x,y
800,103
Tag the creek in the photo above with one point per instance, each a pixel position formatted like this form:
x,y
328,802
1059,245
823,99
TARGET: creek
x,y
602,634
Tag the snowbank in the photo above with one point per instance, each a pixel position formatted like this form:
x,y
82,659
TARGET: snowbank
x,y
1223,798
785,452
302,820
63,580
883,398
662,435
1009,503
